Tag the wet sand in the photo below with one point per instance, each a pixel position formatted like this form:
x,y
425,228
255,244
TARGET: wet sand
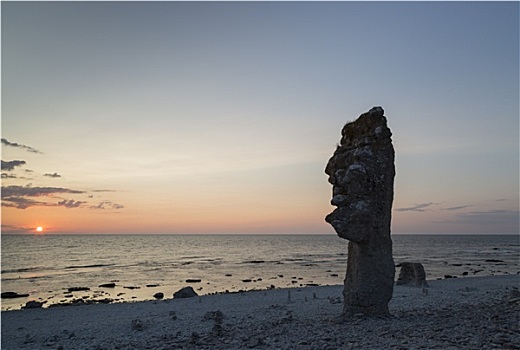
x,y
469,313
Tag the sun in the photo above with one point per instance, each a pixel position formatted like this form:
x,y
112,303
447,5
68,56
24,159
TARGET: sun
x,y
39,229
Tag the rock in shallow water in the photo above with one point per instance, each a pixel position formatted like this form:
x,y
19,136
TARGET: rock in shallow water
x,y
33,304
362,173
12,295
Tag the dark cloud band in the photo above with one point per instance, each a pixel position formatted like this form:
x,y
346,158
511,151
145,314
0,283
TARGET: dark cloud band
x,y
10,165
17,145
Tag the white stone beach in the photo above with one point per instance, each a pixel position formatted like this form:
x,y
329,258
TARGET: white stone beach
x,y
462,313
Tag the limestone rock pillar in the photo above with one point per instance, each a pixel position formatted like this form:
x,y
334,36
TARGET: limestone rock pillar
x,y
362,173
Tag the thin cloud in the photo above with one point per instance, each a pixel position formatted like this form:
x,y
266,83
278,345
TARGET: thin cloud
x,y
15,229
52,175
17,145
70,203
107,205
459,207
10,165
497,218
28,191
22,203
418,207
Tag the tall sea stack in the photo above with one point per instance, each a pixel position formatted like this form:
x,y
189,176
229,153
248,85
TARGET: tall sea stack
x,y
362,172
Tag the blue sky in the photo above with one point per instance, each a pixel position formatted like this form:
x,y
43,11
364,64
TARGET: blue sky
x,y
220,117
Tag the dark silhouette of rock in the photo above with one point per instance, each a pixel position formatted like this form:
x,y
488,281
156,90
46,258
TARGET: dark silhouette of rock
x,y
412,274
33,304
12,295
186,292
193,280
78,289
158,295
362,173
107,285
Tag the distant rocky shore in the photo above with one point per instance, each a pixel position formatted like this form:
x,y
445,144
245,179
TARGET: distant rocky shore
x,y
117,292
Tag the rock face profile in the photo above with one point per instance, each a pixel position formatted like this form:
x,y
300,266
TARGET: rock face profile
x,y
362,172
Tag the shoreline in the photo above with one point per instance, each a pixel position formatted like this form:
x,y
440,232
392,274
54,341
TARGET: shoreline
x,y
479,312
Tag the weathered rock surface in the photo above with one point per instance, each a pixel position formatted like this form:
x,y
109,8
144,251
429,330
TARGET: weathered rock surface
x,y
362,173
412,274
186,292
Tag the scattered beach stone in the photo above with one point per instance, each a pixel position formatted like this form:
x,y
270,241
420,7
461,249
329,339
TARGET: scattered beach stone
x,y
412,274
33,304
137,325
131,287
12,295
186,292
107,285
152,285
158,295
193,280
78,289
362,173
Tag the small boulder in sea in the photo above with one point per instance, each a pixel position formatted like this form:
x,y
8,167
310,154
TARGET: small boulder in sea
x,y
186,292
12,295
158,295
78,289
33,304
412,274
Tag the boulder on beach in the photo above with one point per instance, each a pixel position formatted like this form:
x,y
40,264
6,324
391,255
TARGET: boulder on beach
x,y
412,274
186,292
158,295
193,280
107,285
33,304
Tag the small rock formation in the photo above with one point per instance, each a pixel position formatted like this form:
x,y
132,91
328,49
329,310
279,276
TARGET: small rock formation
x,y
186,292
412,274
362,173
33,304
158,295
107,285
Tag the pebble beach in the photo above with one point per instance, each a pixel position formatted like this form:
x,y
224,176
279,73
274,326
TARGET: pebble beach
x,y
463,313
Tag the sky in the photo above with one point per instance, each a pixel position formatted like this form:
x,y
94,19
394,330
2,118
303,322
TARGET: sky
x,y
199,117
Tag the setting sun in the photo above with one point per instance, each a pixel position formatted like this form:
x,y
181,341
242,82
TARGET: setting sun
x,y
39,229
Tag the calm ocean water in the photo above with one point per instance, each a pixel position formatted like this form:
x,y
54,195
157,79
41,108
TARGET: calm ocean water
x,y
46,266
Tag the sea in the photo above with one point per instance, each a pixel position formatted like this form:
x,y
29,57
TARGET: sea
x,y
139,266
